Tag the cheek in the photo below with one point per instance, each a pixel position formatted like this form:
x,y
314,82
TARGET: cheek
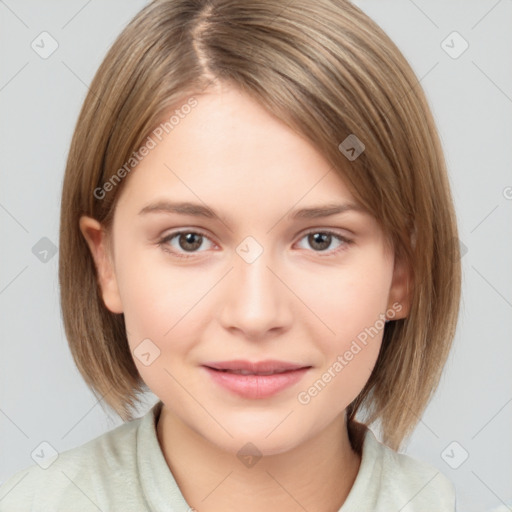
x,y
337,384
354,364
348,355
352,302
155,295
353,307
162,304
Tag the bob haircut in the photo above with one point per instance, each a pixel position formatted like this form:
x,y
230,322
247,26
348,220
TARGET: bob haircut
x,y
325,69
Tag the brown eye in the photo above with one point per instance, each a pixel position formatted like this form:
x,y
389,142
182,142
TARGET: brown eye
x,y
320,241
190,241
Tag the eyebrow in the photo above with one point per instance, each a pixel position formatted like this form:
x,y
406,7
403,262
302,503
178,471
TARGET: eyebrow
x,y
199,210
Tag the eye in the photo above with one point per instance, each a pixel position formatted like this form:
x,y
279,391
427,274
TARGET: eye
x,y
187,241
321,240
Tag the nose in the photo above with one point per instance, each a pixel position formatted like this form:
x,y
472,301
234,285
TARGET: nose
x,y
256,302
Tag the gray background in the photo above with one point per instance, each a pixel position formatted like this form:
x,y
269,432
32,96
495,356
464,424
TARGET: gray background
x,y
42,395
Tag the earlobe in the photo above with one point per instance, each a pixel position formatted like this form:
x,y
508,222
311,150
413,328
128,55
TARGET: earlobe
x,y
95,237
401,290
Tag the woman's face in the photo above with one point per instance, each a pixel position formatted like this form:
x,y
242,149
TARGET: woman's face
x,y
264,278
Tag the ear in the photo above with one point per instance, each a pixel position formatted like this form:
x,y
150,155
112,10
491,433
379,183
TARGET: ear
x,y
401,289
96,238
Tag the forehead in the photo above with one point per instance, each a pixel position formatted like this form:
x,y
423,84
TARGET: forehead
x,y
228,150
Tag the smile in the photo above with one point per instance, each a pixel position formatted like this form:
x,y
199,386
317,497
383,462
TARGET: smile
x,y
255,380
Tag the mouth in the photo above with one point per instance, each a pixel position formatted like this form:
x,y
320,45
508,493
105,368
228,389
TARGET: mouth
x,y
267,367
248,372
255,379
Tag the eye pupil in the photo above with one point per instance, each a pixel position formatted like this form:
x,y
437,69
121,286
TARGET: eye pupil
x,y
188,238
323,239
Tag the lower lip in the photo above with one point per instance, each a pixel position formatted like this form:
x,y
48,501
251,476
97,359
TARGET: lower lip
x,y
256,386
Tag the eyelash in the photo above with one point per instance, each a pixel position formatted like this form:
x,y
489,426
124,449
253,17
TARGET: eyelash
x,y
162,243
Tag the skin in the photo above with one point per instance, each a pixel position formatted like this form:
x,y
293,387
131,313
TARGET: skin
x,y
296,302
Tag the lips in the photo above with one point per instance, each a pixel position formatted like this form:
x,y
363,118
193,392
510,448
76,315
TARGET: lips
x,y
267,367
255,380
249,372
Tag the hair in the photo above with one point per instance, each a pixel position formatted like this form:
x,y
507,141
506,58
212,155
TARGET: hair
x,y
325,69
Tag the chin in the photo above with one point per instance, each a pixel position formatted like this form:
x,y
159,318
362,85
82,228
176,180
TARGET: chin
x,y
259,442
259,446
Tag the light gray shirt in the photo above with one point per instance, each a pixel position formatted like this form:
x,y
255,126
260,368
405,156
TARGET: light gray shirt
x,y
125,470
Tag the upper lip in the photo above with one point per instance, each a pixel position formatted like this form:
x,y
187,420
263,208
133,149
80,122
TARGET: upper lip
x,y
269,365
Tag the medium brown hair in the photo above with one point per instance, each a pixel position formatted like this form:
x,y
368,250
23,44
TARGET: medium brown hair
x,y
328,71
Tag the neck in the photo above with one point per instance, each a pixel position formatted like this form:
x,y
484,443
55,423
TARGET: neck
x,y
316,475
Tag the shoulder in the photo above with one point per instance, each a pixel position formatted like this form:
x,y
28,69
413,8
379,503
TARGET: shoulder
x,y
419,485
392,481
77,477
